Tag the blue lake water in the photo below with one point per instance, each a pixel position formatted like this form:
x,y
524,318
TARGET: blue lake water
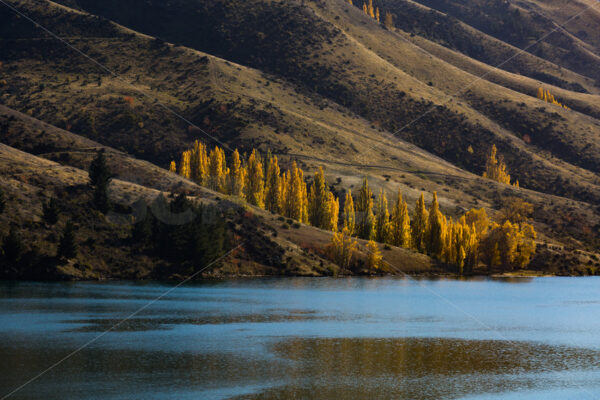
x,y
319,338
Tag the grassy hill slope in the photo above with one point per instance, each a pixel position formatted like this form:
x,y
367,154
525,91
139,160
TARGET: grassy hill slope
x,y
333,50
106,250
324,84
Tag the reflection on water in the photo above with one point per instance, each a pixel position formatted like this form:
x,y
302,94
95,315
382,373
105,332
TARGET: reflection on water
x,y
424,368
305,338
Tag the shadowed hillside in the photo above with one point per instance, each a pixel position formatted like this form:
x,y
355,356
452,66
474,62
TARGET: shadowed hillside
x,y
391,85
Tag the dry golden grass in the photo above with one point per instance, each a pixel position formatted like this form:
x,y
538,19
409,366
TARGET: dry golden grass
x,y
247,107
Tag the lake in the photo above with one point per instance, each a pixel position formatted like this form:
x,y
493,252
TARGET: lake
x,y
319,338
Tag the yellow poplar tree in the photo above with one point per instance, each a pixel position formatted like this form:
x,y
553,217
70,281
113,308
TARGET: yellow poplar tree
x,y
318,201
349,215
500,247
295,199
371,10
526,247
496,169
217,169
173,167
377,14
373,256
464,246
419,224
273,187
480,219
382,219
471,244
341,248
199,162
255,188
184,164
365,220
447,255
237,176
400,223
365,9
304,196
333,212
284,204
434,240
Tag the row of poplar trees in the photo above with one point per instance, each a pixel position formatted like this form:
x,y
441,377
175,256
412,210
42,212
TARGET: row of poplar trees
x,y
261,183
548,97
463,242
373,12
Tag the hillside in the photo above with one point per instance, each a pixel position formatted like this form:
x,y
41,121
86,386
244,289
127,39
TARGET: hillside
x,y
105,245
414,107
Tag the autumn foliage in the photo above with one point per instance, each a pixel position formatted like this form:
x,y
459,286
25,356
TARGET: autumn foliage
x,y
549,98
495,168
464,243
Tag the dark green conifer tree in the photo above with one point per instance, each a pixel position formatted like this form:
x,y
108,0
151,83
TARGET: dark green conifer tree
x,y
12,246
100,179
50,211
67,248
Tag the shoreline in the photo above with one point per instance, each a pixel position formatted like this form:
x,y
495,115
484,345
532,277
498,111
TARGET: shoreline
x,y
418,276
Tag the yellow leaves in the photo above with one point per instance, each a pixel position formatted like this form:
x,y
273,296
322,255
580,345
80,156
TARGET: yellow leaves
x,y
382,224
495,169
370,9
199,162
462,243
318,200
273,190
510,245
349,214
479,220
294,199
549,98
527,246
434,239
341,248
255,185
373,12
399,234
374,258
333,212
217,169
365,220
323,206
236,180
184,164
419,224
